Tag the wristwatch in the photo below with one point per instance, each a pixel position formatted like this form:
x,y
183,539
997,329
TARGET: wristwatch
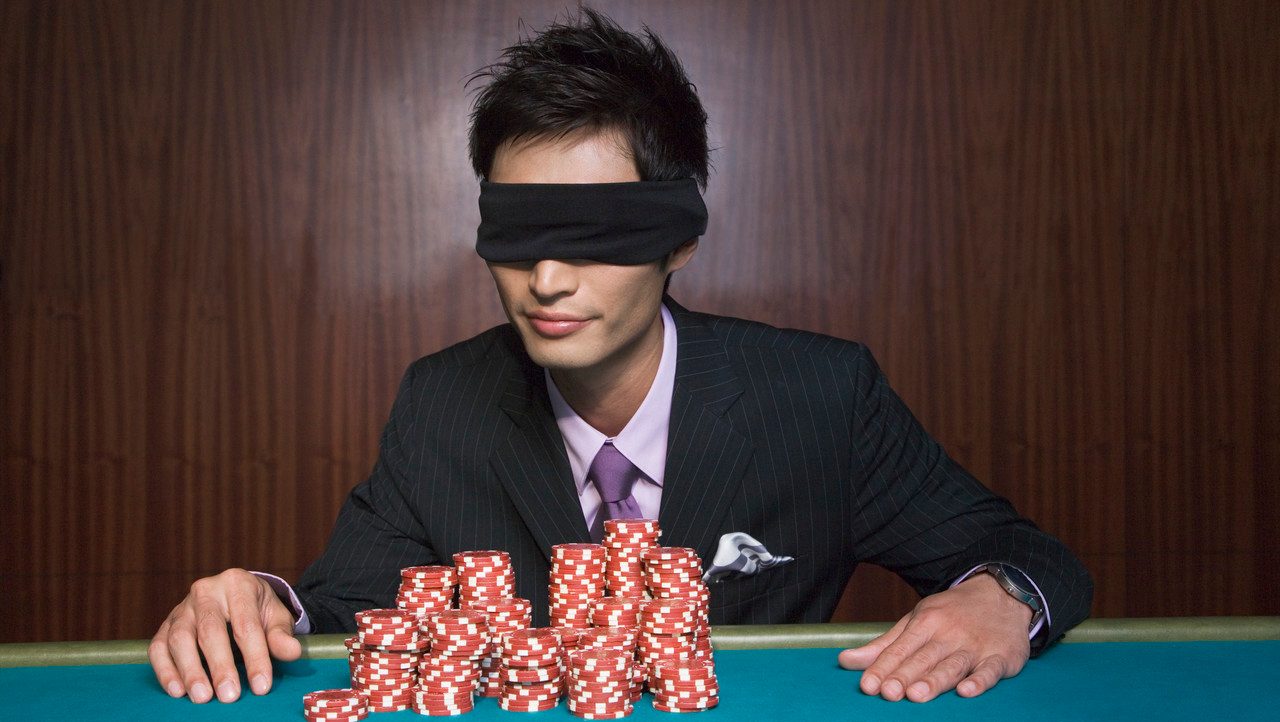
x,y
1019,587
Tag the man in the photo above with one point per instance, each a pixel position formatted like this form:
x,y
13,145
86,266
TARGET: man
x,y
591,145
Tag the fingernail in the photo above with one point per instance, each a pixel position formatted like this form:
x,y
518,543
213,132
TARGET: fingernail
x,y
200,692
871,683
891,689
259,684
919,689
227,691
174,689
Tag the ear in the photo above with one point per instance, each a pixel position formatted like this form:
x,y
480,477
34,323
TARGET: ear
x,y
682,255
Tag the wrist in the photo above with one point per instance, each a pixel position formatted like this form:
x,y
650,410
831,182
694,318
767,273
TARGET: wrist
x,y
1017,588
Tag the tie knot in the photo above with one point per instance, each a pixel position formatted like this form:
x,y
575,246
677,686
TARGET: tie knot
x,y
613,474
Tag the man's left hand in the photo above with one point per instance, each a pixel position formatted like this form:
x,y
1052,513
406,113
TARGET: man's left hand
x,y
966,638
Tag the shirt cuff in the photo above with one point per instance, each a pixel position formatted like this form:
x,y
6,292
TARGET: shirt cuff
x,y
1044,603
302,623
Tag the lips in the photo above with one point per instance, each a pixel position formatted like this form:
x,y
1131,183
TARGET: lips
x,y
556,325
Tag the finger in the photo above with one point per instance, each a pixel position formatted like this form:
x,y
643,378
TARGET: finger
x,y
211,628
162,663
251,639
862,657
905,662
985,676
890,657
185,649
942,677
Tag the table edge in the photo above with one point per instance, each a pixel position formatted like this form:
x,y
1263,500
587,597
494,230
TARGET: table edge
x,y
771,636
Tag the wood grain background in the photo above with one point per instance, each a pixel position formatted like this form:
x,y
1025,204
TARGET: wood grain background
x,y
227,227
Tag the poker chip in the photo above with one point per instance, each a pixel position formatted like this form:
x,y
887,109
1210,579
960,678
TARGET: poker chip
x,y
689,706
684,670
624,612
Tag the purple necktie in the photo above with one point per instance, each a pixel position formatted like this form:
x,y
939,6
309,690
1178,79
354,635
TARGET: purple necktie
x,y
613,474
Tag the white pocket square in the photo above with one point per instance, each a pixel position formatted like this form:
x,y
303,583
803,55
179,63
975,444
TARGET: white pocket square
x,y
740,555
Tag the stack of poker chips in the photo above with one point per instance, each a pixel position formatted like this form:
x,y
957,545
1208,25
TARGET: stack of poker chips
x,y
530,671
667,629
426,590
621,639
506,616
577,579
600,682
685,686
625,542
484,575
386,655
676,573
448,674
335,705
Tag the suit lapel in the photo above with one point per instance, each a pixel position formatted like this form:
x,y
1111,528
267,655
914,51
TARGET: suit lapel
x,y
531,461
706,456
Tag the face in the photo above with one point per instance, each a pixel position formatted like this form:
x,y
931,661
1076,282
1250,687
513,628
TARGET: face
x,y
578,316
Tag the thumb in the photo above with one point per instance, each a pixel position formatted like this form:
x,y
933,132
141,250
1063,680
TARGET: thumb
x,y
280,639
862,657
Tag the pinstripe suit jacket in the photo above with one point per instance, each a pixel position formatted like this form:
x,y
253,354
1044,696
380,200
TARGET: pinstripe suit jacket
x,y
792,437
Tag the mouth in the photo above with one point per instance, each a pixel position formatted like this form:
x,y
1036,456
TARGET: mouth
x,y
555,325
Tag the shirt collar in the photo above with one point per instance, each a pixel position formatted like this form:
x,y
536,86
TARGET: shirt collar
x,y
644,439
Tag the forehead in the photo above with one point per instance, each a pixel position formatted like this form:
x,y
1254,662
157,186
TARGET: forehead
x,y
577,158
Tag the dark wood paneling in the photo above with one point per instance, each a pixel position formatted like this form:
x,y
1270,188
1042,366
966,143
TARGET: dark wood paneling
x,y
226,228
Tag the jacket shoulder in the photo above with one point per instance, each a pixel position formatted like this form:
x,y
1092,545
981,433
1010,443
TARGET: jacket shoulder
x,y
740,336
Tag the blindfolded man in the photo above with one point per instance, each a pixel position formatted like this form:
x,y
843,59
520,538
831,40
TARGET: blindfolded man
x,y
591,147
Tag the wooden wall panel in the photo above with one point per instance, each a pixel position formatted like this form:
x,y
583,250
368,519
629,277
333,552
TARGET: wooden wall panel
x,y
226,228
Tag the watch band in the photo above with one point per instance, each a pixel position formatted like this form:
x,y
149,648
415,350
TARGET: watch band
x,y
1019,587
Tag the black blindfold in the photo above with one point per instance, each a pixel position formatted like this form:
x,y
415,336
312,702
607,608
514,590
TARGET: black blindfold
x,y
617,223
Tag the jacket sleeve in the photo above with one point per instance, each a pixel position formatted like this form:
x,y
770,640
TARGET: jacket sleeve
x,y
922,516
375,536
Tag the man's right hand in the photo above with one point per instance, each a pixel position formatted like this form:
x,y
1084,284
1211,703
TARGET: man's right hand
x,y
260,622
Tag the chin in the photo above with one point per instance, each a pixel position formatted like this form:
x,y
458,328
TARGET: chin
x,y
560,354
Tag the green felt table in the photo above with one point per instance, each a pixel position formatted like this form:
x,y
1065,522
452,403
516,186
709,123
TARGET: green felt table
x,y
1201,668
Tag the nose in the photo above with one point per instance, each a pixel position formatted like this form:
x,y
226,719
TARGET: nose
x,y
550,279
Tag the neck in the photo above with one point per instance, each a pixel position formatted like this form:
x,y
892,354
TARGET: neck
x,y
608,395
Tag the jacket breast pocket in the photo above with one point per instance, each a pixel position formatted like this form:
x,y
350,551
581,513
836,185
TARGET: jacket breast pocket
x,y
729,594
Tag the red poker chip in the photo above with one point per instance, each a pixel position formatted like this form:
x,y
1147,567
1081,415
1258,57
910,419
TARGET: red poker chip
x,y
335,709
618,714
679,687
453,679
383,616
324,713
681,670
429,571
425,695
445,665
532,662
333,696
530,675
459,616
598,686
531,696
608,712
518,706
600,677
601,683
684,707
456,631
575,549
404,662
346,717
478,637
443,712
376,675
